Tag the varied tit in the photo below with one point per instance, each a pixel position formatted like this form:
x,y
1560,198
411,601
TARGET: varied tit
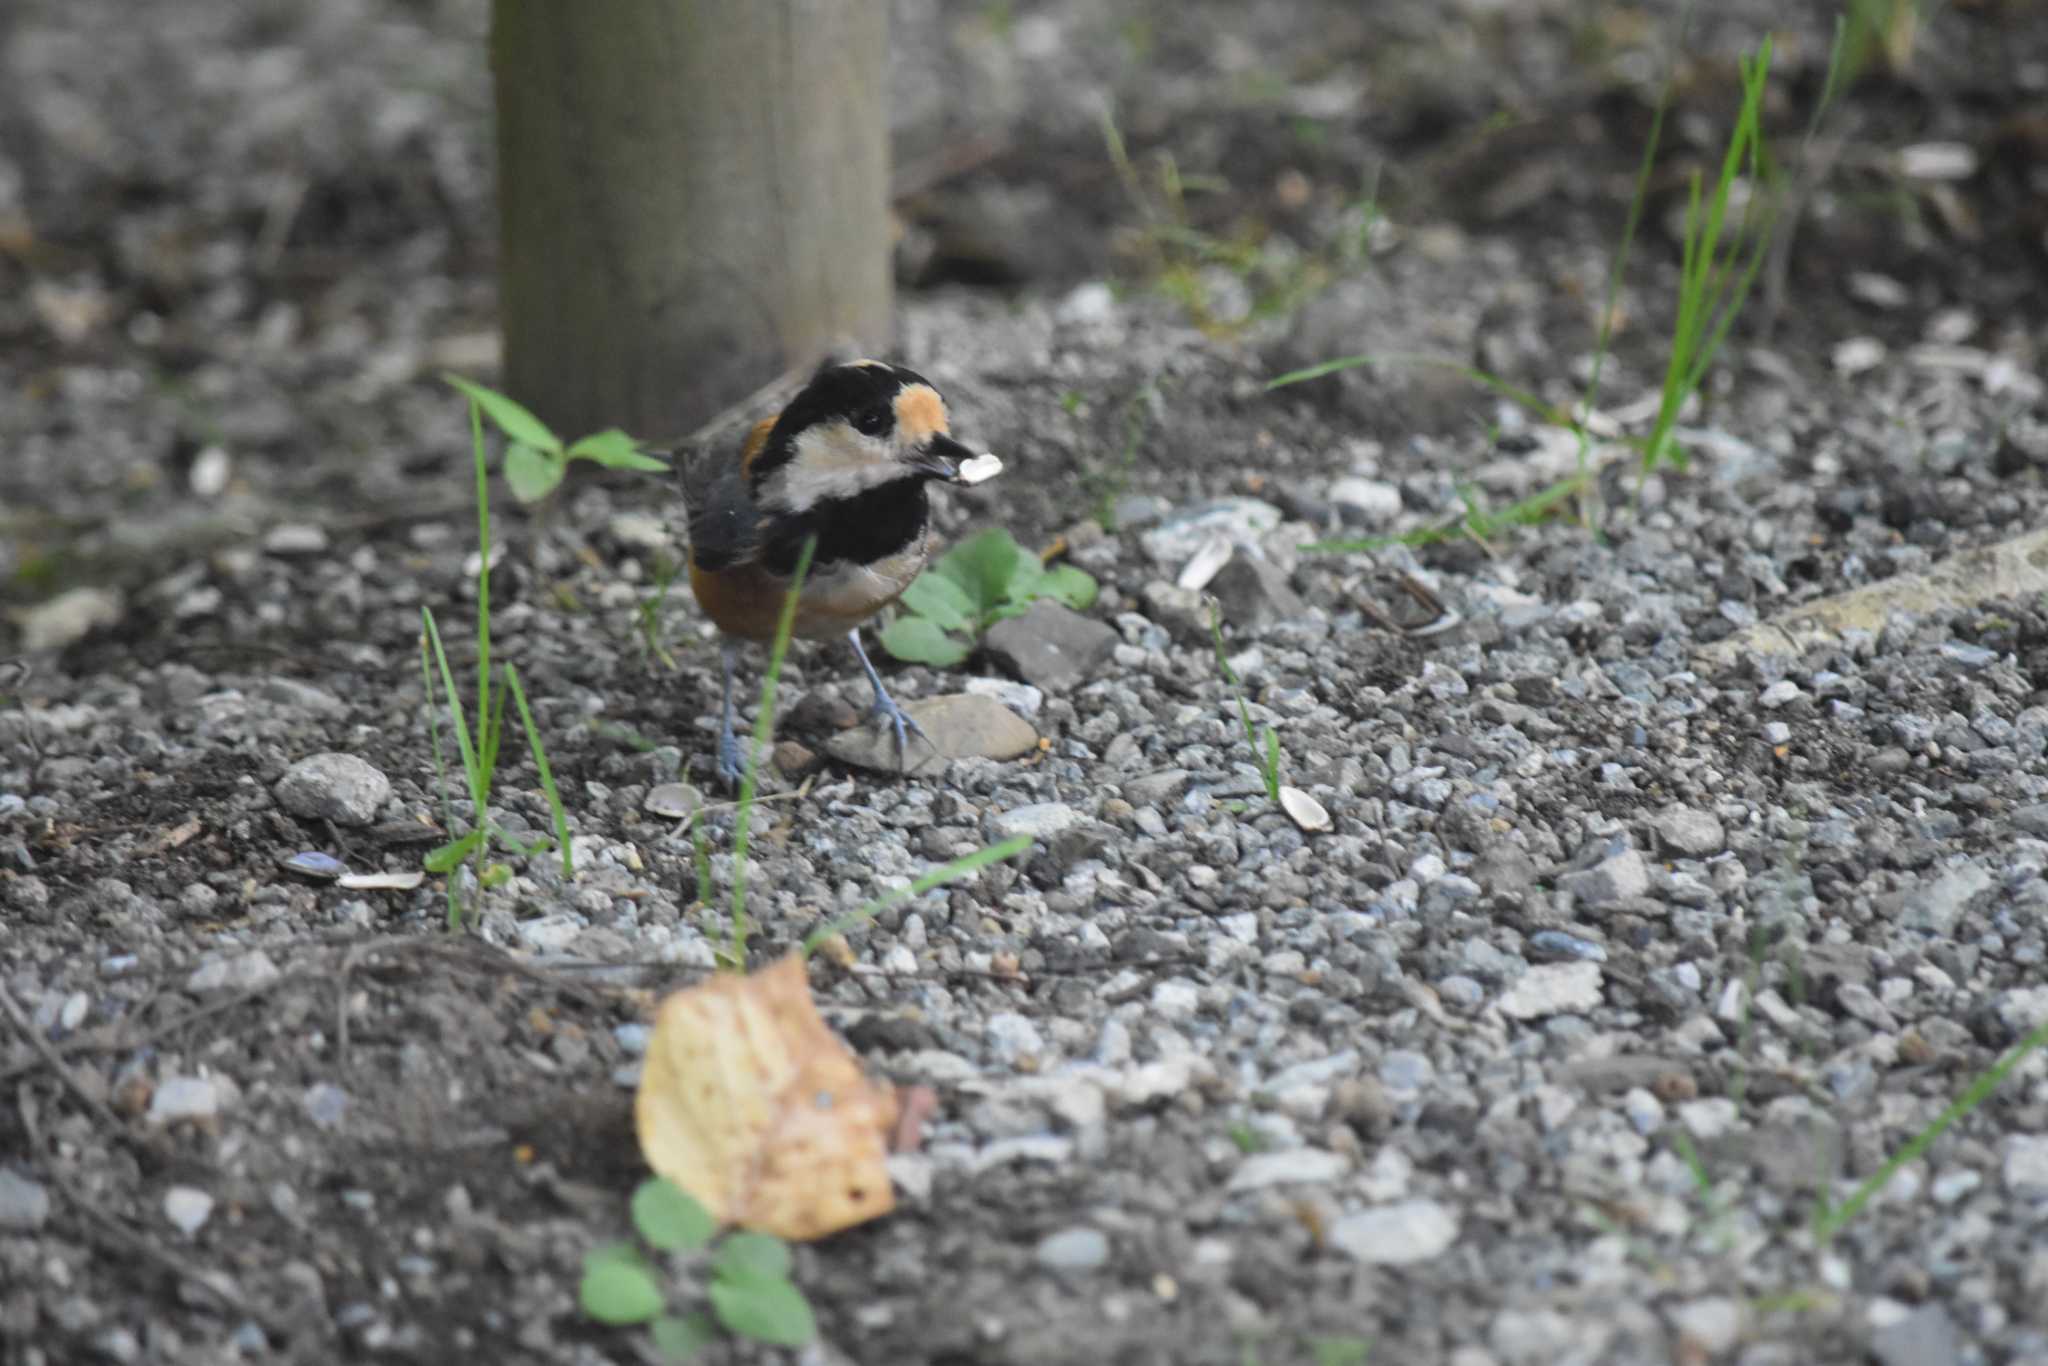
x,y
847,462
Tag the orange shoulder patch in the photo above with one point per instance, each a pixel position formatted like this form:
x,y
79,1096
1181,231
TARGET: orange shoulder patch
x,y
757,438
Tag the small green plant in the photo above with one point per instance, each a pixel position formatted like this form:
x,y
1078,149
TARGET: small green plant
x,y
1265,747
969,589
1105,486
744,1277
1719,264
478,744
536,460
666,571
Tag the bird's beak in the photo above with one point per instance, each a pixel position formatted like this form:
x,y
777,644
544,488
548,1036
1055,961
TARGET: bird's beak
x,y
940,458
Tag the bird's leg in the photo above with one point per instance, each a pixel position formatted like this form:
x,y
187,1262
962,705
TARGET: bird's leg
x,y
885,706
728,743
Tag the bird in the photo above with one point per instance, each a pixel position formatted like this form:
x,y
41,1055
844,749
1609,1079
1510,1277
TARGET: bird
x,y
847,461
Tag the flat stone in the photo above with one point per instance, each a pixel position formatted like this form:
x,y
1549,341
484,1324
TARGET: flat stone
x,y
1552,989
1398,1234
188,1208
1051,646
1251,591
1073,1249
245,972
960,726
1688,833
1621,878
24,1204
1710,1326
1368,502
68,618
336,787
1289,1167
1939,904
1040,820
179,1098
1241,521
1925,1337
2026,1164
1156,789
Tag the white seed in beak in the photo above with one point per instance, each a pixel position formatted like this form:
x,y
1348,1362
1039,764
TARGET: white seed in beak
x,y
978,470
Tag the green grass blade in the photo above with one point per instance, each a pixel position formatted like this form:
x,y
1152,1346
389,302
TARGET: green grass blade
x,y
764,727
483,547
547,776
470,768
1831,1220
964,866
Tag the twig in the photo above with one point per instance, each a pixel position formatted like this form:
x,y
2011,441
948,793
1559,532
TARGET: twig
x,y
24,1026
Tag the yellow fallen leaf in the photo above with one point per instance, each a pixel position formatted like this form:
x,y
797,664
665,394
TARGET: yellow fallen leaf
x,y
750,1103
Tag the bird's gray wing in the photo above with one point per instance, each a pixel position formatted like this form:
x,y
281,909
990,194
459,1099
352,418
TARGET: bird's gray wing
x,y
723,524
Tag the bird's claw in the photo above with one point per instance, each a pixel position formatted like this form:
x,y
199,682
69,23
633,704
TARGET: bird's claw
x,y
729,760
903,723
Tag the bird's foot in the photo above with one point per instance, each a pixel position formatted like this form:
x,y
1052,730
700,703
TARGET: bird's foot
x,y
903,723
729,770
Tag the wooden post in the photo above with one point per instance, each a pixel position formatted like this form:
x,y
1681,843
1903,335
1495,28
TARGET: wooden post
x,y
693,197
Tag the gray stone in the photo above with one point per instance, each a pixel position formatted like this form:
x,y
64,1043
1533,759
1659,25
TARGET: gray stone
x,y
1073,1249
1021,698
1708,1326
179,1098
245,972
2022,1009
1924,1337
1937,905
1011,1038
1156,789
1617,879
2026,1164
1368,502
2032,820
1289,1167
188,1208
1253,592
24,1204
1552,989
1398,1234
336,787
68,618
1688,833
326,1104
959,726
1240,521
1040,820
1182,611
1051,646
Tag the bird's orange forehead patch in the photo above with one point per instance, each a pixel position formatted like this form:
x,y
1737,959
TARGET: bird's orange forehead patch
x,y
920,414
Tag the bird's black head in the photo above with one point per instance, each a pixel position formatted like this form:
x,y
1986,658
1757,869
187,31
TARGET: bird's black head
x,y
855,427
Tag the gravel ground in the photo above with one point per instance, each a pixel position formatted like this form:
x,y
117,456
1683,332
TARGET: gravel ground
x,y
1631,946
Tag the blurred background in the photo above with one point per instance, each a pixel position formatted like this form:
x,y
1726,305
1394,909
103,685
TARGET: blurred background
x,y
239,237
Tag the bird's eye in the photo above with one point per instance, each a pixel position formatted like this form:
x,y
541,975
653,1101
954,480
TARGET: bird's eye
x,y
874,422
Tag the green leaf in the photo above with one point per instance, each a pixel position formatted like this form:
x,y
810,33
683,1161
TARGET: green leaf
x,y
680,1338
985,566
448,857
1066,584
752,1254
917,640
668,1218
531,472
615,450
941,600
766,1309
619,1290
511,418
